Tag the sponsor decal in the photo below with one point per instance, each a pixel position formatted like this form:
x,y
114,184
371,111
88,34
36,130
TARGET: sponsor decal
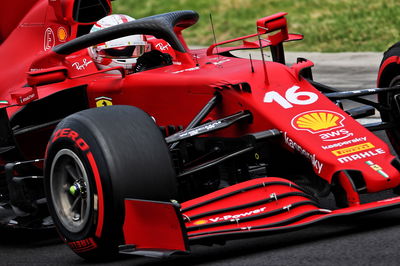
x,y
83,65
229,217
24,98
336,135
103,101
199,130
312,157
69,133
162,47
4,102
213,125
62,34
82,245
49,39
36,69
318,121
221,62
353,149
377,168
200,222
186,70
27,98
327,124
343,143
361,155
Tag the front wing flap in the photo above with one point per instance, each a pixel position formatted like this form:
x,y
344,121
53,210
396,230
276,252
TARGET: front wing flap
x,y
252,208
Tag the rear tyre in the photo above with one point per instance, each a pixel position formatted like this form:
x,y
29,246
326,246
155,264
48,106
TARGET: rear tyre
x,y
95,159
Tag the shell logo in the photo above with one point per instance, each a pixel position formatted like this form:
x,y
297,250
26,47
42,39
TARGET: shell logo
x,y
62,34
318,121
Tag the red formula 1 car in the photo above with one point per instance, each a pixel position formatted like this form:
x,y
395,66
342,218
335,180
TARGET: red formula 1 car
x,y
201,149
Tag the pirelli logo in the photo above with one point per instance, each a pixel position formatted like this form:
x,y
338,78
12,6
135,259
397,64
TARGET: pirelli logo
x,y
353,149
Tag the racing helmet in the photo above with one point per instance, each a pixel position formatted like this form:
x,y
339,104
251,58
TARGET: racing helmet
x,y
118,52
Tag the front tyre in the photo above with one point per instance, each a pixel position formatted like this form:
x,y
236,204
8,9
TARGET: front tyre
x,y
389,77
392,116
95,159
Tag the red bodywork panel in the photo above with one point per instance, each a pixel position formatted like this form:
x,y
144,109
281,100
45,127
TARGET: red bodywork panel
x,y
276,96
31,28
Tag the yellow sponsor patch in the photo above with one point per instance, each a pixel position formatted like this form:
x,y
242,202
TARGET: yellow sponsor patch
x,y
62,34
317,121
200,222
353,149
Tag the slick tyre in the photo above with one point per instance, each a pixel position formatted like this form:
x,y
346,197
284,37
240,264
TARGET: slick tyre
x,y
95,159
392,100
391,77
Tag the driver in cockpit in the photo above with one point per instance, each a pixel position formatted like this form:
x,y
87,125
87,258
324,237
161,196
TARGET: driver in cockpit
x,y
134,53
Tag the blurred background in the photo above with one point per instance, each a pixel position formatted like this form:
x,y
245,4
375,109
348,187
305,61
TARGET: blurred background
x,y
328,25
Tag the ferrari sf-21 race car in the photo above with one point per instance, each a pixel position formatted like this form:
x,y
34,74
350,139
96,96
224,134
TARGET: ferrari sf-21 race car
x,y
199,149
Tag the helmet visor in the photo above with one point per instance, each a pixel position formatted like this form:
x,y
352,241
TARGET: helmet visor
x,y
133,51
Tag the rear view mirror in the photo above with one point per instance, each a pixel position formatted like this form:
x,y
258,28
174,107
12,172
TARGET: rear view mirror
x,y
81,12
90,11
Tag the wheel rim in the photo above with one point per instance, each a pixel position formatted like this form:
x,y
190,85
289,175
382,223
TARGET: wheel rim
x,y
70,190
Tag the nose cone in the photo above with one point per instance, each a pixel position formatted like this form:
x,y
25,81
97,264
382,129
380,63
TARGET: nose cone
x,y
380,176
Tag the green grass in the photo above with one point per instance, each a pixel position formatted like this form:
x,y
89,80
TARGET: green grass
x,y
328,25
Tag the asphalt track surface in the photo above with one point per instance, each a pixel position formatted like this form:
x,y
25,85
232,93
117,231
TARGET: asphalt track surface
x,y
372,239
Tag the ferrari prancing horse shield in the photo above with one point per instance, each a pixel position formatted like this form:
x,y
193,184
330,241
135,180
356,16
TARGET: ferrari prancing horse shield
x,y
103,101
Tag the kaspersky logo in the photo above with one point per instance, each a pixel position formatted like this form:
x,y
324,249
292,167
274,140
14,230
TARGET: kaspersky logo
x,y
318,121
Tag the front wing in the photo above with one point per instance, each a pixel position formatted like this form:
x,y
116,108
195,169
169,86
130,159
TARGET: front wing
x,y
252,208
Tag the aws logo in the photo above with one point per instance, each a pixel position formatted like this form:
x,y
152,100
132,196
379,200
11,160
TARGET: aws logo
x,y
318,121
336,135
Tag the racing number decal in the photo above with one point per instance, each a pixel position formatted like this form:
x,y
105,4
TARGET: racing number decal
x,y
292,97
